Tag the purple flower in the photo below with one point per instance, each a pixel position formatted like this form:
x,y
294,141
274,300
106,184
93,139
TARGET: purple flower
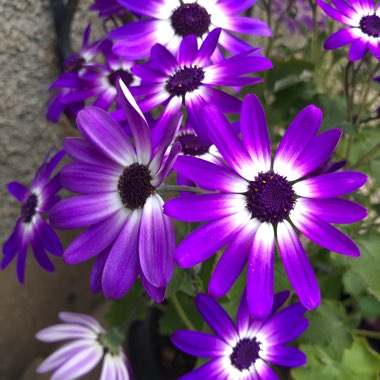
x,y
191,78
242,352
108,8
296,14
70,79
119,200
363,32
87,343
30,227
256,197
168,21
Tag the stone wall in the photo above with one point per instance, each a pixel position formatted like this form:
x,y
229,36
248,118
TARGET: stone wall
x,y
28,65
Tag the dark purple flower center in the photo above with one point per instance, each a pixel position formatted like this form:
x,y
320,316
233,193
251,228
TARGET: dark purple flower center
x,y
270,197
29,208
134,186
125,76
245,353
190,19
370,25
186,79
74,64
192,145
292,12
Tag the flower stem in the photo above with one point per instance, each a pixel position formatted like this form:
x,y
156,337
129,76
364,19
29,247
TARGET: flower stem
x,y
367,333
181,313
167,188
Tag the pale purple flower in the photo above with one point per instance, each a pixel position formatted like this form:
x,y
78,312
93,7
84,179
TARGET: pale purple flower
x,y
86,345
120,202
243,350
257,197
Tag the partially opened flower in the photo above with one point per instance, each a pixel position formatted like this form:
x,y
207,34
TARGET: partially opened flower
x,y
31,228
257,197
243,351
191,79
168,21
119,201
86,345
363,32
70,79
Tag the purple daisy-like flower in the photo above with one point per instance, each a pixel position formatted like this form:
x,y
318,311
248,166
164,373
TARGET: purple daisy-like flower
x,y
70,79
99,82
168,21
242,352
87,344
256,197
191,78
363,32
296,14
119,200
30,227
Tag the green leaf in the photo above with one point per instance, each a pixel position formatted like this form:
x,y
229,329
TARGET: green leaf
x,y
368,266
328,321
131,307
359,362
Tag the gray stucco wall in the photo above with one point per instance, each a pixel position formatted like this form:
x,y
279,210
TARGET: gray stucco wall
x,y
28,64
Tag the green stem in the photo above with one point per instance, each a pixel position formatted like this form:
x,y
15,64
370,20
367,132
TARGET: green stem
x,y
181,313
367,333
167,188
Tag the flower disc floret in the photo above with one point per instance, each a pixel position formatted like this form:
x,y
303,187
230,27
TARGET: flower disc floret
x,y
125,76
134,186
370,25
270,197
245,353
190,19
29,207
192,145
185,79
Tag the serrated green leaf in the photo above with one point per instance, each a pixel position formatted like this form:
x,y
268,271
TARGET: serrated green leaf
x,y
329,320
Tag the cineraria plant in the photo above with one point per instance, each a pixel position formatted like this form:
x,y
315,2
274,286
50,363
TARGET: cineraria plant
x,y
204,159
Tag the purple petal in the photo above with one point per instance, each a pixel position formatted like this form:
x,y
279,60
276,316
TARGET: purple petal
x,y
156,293
298,136
84,210
81,150
81,319
284,326
150,8
340,38
11,245
215,316
41,256
334,210
243,315
232,261
225,102
21,259
207,48
164,61
199,344
333,13
254,130
89,179
323,233
330,185
316,154
95,239
136,122
248,25
358,49
227,142
65,331
48,238
157,251
206,240
97,272
264,371
297,266
208,371
121,268
284,356
201,208
106,134
210,176
18,190
188,50
109,370
260,272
